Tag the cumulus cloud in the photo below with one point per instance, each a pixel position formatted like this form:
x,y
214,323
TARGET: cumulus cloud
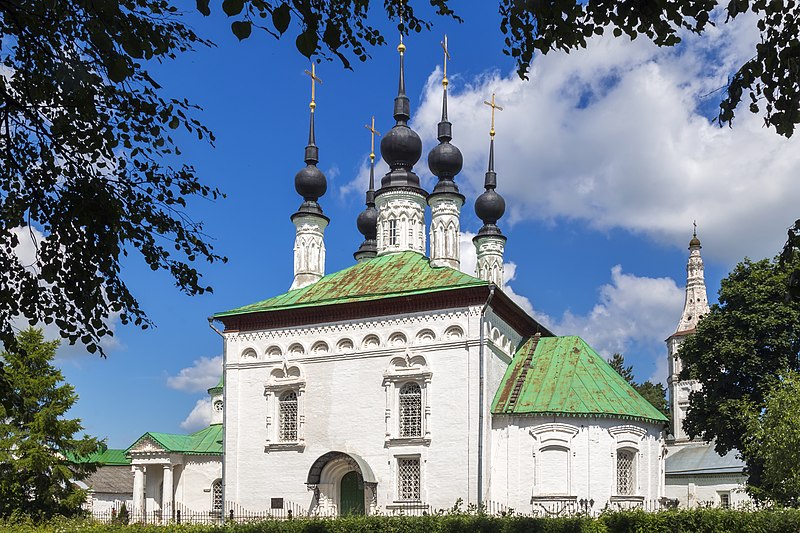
x,y
633,316
622,135
203,374
200,416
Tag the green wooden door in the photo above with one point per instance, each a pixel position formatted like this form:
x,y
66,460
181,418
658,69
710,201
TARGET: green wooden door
x,y
351,494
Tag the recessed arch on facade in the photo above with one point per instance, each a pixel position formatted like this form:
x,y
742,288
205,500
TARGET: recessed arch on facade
x,y
345,345
425,335
296,349
371,341
398,339
320,347
274,351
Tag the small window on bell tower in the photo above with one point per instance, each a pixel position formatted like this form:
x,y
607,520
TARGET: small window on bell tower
x,y
394,233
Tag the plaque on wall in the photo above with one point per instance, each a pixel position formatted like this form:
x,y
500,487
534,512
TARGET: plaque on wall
x,y
276,503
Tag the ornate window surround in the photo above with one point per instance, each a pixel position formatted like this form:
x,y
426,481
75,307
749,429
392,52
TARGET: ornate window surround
x,y
406,369
628,439
552,436
284,379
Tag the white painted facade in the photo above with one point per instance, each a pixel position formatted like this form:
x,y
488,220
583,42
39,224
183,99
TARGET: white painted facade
x,y
489,266
309,249
347,376
401,220
716,490
446,229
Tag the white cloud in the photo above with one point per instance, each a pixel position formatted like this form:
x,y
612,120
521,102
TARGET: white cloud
x,y
201,376
621,135
633,314
200,416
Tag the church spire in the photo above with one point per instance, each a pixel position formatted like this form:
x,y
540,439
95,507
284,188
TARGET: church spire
x,y
490,206
309,221
445,161
400,200
695,305
367,221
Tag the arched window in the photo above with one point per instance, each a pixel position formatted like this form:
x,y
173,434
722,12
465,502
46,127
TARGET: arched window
x,y
410,410
625,473
287,413
216,497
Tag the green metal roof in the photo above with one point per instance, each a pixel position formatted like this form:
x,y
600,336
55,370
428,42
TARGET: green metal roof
x,y
565,376
105,457
207,441
386,276
218,387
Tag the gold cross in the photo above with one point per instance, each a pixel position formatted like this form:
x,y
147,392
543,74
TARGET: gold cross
x,y
374,132
694,223
446,57
401,47
493,106
314,81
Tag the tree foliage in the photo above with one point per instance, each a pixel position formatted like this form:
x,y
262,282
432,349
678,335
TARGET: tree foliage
x,y
35,439
773,438
90,163
746,340
769,81
655,393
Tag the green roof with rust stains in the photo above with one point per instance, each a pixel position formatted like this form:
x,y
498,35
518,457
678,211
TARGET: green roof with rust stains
x,y
207,441
104,457
566,376
386,276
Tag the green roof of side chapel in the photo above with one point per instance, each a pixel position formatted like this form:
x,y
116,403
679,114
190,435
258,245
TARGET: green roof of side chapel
x,y
565,376
207,441
385,276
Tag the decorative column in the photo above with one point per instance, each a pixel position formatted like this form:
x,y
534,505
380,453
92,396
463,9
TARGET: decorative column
x,y
490,242
138,490
167,500
309,221
400,200
445,161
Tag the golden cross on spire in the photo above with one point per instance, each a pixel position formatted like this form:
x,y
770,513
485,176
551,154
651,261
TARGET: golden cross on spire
x,y
494,106
314,81
446,57
401,47
694,223
374,132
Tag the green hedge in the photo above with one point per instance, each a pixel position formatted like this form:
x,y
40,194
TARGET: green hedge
x,y
695,520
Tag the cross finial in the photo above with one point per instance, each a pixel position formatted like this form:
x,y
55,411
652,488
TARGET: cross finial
x,y
373,132
446,57
494,106
401,47
314,81
694,233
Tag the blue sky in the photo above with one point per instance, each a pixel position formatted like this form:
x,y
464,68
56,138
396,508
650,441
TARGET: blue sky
x,y
605,157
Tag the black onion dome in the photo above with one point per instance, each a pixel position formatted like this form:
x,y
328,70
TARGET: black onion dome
x,y
367,223
490,206
445,160
401,147
310,182
694,242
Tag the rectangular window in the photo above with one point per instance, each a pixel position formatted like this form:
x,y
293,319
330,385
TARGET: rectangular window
x,y
410,410
408,483
287,406
394,233
725,500
625,477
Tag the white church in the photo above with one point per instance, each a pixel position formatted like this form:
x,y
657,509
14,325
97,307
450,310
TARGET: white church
x,y
401,384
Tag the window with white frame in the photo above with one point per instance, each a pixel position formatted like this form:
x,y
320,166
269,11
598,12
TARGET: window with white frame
x,y
216,497
725,500
626,485
407,382
394,233
285,393
287,417
408,479
410,406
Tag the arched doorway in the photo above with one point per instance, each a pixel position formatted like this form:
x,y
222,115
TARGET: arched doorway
x,y
351,494
343,483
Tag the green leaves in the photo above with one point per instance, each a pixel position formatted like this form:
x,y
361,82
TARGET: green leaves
x,y
241,29
739,351
281,16
36,440
232,7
